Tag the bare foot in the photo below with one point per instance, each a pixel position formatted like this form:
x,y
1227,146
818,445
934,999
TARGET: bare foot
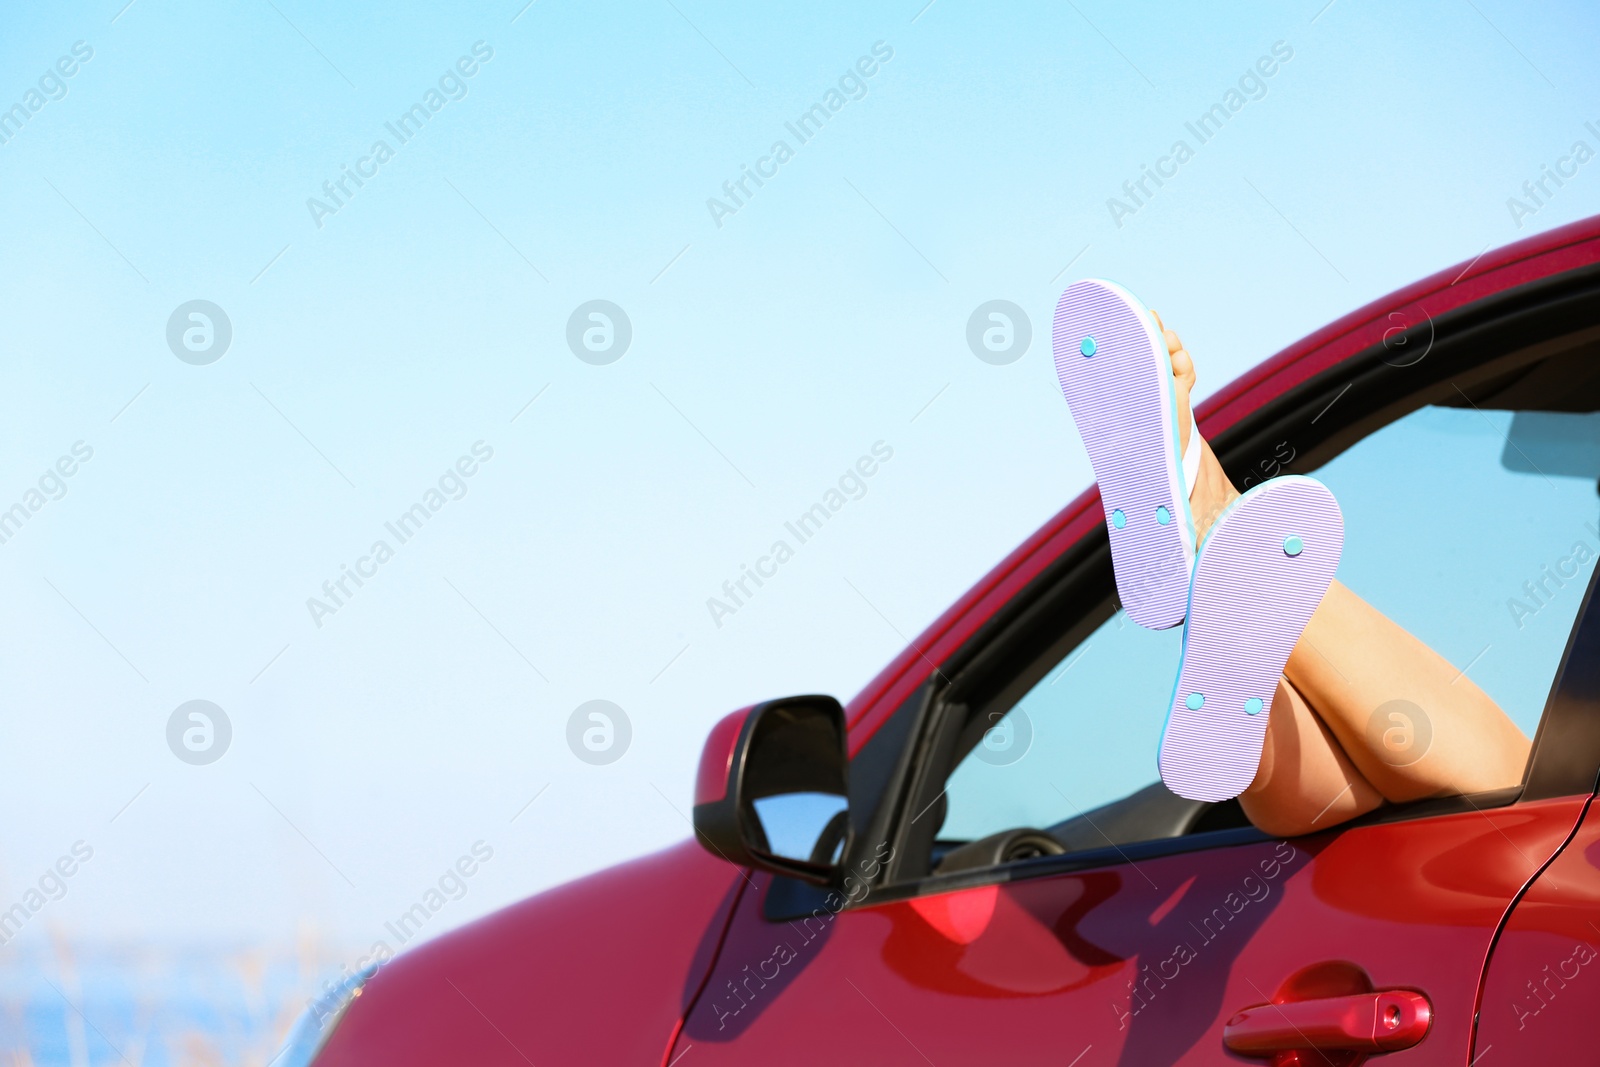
x,y
1212,492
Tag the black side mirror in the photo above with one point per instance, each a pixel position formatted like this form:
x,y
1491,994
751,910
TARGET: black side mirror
x,y
771,789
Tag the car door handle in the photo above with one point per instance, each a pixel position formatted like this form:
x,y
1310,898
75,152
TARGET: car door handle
x,y
1366,1022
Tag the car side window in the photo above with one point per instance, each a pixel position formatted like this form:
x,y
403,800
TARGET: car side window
x,y
1475,530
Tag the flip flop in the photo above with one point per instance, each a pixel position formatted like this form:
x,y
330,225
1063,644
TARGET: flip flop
x,y
1114,369
1262,571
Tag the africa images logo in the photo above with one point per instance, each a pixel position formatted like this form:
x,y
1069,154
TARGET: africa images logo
x,y
451,485
599,732
451,85
851,85
998,332
199,732
599,332
199,332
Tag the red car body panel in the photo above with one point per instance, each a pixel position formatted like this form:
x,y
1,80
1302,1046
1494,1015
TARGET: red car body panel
x,y
607,969
1538,1003
1134,963
600,970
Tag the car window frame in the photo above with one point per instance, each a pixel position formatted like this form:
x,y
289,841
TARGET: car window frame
x,y
1472,354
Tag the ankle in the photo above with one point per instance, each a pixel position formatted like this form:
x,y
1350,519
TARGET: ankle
x,y
1212,493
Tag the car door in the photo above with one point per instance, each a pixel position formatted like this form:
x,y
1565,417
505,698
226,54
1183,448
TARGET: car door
x,y
1543,980
958,937
1137,961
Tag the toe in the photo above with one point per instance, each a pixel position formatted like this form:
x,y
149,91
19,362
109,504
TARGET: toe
x,y
1167,336
1182,373
1183,379
1183,368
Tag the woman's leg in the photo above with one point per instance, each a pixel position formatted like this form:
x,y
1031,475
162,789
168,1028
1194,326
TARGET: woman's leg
x,y
1350,667
1306,782
1414,725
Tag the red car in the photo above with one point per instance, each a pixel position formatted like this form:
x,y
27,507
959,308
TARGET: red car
x,y
974,863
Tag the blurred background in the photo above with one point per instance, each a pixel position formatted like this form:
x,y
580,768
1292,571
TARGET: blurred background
x,y
385,385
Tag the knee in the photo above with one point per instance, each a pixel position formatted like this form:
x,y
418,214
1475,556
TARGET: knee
x,y
1282,823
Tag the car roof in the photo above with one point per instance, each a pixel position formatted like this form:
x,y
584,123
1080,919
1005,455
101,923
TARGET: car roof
x,y
1491,272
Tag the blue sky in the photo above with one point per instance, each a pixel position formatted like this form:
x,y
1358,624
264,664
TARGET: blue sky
x,y
768,354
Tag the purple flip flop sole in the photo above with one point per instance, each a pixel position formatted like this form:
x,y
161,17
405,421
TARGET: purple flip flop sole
x,y
1115,373
1262,571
